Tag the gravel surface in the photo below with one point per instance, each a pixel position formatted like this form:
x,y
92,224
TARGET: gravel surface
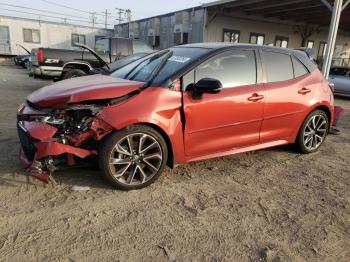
x,y
270,205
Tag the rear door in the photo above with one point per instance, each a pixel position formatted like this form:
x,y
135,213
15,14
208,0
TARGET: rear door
x,y
232,118
289,92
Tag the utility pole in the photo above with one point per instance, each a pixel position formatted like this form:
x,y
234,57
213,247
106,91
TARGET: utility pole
x,y
106,18
119,13
93,19
128,14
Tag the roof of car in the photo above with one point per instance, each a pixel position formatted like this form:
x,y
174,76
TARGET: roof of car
x,y
217,46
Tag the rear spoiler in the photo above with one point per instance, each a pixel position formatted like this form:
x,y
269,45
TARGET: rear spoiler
x,y
310,52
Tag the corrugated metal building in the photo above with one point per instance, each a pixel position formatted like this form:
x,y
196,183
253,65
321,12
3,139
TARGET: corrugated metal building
x,y
272,22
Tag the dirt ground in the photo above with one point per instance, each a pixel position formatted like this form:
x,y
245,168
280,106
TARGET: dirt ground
x,y
271,205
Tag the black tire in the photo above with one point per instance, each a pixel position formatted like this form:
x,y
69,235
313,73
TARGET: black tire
x,y
107,149
301,139
73,73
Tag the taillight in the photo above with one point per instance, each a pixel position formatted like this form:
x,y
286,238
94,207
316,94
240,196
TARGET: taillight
x,y
40,55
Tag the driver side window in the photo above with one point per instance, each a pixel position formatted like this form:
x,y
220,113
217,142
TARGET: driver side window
x,y
233,69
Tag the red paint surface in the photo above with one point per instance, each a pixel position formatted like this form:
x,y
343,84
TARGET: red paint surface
x,y
233,121
81,89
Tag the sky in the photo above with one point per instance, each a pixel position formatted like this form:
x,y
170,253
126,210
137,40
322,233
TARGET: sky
x,y
79,11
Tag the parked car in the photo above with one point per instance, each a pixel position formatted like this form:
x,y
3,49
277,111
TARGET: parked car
x,y
183,104
340,77
22,60
64,64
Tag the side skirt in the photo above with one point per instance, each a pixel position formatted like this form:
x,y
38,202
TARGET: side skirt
x,y
240,150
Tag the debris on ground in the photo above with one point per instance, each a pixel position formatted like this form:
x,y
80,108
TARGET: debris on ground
x,y
167,252
80,188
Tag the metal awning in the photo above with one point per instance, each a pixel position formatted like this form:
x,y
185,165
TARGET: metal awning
x,y
328,13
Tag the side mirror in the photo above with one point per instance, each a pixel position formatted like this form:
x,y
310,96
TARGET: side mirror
x,y
206,86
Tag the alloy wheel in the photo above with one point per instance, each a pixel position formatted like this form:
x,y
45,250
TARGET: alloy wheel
x,y
315,132
135,159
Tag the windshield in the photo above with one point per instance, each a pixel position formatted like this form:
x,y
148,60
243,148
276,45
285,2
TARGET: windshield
x,y
125,61
142,69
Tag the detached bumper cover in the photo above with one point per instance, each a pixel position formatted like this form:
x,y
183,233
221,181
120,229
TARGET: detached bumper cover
x,y
37,142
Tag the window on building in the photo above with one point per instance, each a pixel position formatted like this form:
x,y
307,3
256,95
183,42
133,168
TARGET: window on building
x,y
256,38
299,68
322,49
79,39
180,38
281,41
232,69
231,36
310,44
278,67
31,35
102,45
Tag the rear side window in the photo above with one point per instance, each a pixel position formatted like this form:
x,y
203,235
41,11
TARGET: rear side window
x,y
299,68
278,67
232,69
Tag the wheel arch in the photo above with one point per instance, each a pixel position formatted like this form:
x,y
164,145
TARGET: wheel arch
x,y
320,106
170,160
75,65
171,156
325,109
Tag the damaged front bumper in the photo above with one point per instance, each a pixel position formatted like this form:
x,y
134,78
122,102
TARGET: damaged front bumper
x,y
38,147
44,147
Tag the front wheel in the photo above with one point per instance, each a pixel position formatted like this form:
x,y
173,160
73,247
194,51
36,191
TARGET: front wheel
x,y
133,158
313,132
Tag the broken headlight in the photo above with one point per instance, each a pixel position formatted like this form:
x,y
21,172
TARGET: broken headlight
x,y
53,120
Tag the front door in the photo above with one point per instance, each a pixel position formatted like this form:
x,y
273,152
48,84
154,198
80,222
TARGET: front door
x,y
232,118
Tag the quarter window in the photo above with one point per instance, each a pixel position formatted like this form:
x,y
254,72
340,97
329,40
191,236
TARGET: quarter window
x,y
278,67
232,69
79,39
231,36
258,39
31,35
299,68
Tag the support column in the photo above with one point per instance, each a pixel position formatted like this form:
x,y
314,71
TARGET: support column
x,y
332,37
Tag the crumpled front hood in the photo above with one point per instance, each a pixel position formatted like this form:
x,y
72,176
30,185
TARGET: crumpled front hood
x,y
88,88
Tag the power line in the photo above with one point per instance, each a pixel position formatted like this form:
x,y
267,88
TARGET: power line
x,y
41,10
65,6
57,17
71,8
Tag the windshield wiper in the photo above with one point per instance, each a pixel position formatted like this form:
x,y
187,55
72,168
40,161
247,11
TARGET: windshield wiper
x,y
156,56
157,70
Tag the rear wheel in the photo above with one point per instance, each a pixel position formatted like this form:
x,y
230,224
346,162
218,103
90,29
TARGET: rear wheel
x,y
313,132
134,157
74,73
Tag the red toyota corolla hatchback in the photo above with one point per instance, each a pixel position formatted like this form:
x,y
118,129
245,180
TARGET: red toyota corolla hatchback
x,y
179,105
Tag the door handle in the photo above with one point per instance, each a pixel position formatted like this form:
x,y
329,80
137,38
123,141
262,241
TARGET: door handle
x,y
256,97
304,91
